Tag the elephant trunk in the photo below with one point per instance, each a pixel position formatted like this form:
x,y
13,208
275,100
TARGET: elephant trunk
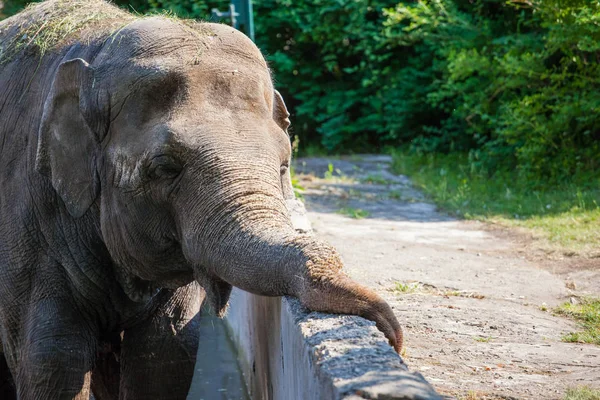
x,y
266,256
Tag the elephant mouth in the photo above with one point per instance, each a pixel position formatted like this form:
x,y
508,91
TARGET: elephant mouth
x,y
142,290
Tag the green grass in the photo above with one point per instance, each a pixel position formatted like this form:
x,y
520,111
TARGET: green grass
x,y
330,172
566,214
459,293
406,287
582,393
298,188
334,174
375,180
356,213
587,313
395,194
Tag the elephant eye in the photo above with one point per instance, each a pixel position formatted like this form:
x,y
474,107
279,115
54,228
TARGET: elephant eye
x,y
284,168
164,167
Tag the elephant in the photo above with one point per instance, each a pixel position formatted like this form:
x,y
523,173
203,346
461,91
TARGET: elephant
x,y
145,171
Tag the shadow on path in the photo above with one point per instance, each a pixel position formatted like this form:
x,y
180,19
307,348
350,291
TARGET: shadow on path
x,y
338,185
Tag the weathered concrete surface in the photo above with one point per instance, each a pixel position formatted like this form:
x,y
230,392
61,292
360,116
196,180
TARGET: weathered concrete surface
x,y
469,300
289,353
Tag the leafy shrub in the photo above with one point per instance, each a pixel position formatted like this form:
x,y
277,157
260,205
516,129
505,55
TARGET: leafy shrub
x,y
513,83
327,57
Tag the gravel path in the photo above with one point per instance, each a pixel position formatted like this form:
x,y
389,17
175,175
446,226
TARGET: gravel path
x,y
469,301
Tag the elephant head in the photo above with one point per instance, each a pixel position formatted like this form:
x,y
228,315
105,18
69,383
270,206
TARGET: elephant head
x,y
173,133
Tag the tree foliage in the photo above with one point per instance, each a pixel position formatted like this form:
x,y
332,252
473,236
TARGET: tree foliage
x,y
513,82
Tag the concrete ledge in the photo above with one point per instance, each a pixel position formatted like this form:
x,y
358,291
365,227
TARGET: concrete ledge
x,y
288,353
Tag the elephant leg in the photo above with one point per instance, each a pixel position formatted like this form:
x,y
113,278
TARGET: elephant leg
x,y
7,385
56,354
158,355
106,375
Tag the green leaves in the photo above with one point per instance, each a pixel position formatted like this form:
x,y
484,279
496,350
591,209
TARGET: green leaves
x,y
512,82
506,80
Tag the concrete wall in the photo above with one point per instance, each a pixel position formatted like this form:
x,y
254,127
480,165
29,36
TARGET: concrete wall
x,y
287,353
274,360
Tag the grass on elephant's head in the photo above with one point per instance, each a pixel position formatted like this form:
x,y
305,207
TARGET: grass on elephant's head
x,y
62,18
566,214
587,313
582,393
356,213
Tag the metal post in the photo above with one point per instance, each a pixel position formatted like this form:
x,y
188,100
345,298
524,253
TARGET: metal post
x,y
240,16
246,19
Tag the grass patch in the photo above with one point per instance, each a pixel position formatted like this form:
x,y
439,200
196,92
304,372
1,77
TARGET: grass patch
x,y
462,293
334,174
567,214
356,213
582,393
395,194
414,287
406,287
298,188
587,313
331,172
375,180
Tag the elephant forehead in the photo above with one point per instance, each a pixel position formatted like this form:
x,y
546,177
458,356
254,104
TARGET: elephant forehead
x,y
232,86
150,37
210,58
175,41
231,44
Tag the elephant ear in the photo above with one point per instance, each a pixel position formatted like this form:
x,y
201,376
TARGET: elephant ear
x,y
68,140
280,112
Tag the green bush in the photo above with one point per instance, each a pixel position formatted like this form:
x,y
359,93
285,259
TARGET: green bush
x,y
328,57
513,83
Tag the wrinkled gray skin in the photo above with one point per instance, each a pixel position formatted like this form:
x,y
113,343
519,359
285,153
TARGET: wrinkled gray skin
x,y
143,172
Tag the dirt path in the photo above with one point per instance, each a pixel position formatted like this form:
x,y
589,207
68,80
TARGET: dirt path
x,y
468,300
